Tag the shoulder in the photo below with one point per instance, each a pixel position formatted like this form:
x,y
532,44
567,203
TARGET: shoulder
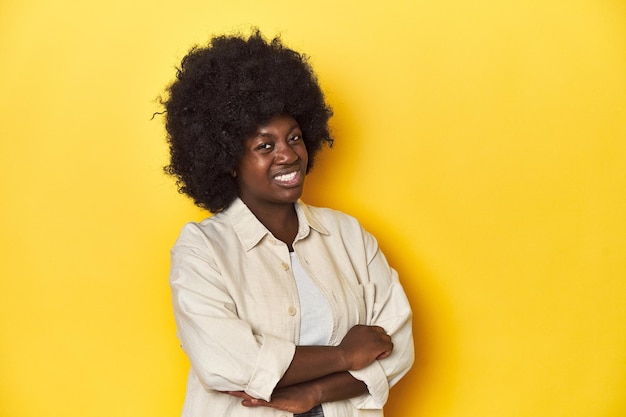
x,y
344,230
204,230
329,217
336,222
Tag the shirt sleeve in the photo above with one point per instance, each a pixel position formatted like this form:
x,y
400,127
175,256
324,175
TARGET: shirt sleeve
x,y
223,350
390,310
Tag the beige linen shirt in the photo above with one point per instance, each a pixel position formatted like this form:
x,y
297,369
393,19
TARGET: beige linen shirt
x,y
237,309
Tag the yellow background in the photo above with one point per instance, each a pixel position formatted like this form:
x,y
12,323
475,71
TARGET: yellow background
x,y
483,143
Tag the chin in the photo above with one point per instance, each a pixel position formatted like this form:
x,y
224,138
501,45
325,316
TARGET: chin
x,y
292,197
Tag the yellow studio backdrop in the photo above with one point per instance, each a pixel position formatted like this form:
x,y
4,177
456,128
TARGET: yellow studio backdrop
x,y
482,142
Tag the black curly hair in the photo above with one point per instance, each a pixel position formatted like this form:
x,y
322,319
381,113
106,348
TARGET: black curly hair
x,y
222,93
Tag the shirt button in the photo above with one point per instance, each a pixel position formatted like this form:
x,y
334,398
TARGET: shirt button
x,y
285,266
291,311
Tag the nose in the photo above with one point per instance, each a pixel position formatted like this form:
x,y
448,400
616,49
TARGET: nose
x,y
285,154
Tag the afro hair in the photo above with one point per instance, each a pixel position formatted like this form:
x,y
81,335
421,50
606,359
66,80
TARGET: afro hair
x,y
222,93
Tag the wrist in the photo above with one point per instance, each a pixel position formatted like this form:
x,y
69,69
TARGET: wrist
x,y
344,360
315,391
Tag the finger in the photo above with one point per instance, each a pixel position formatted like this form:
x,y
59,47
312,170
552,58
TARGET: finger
x,y
239,394
383,355
254,402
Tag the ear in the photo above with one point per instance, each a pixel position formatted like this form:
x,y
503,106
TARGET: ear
x,y
233,173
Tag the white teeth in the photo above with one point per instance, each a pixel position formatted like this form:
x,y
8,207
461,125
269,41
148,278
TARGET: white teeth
x,y
286,177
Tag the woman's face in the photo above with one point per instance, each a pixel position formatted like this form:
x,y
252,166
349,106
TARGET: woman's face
x,y
273,166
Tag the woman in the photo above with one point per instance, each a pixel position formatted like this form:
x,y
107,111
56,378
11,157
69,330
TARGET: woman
x,y
281,307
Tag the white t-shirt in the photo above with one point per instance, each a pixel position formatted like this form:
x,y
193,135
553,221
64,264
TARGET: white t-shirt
x,y
316,324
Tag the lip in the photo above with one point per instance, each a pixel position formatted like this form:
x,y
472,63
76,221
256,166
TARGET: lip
x,y
288,178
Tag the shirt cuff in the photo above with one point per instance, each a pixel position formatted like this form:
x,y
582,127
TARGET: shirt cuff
x,y
274,358
374,377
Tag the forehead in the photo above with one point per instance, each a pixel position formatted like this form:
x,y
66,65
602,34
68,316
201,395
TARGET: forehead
x,y
278,123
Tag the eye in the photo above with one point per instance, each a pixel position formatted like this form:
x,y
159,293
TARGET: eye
x,y
263,146
296,138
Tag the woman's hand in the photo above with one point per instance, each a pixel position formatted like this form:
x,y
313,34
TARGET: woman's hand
x,y
363,345
293,399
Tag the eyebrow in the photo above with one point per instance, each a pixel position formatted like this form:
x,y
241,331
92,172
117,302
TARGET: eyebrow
x,y
268,134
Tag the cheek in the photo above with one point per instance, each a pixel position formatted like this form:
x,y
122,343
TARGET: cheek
x,y
250,164
304,155
252,173
306,162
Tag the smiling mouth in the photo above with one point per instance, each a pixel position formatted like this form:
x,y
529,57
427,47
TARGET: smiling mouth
x,y
291,178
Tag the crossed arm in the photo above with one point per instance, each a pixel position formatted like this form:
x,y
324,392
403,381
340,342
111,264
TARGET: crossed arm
x,y
319,374
208,326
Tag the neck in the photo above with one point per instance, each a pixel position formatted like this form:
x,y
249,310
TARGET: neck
x,y
280,220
